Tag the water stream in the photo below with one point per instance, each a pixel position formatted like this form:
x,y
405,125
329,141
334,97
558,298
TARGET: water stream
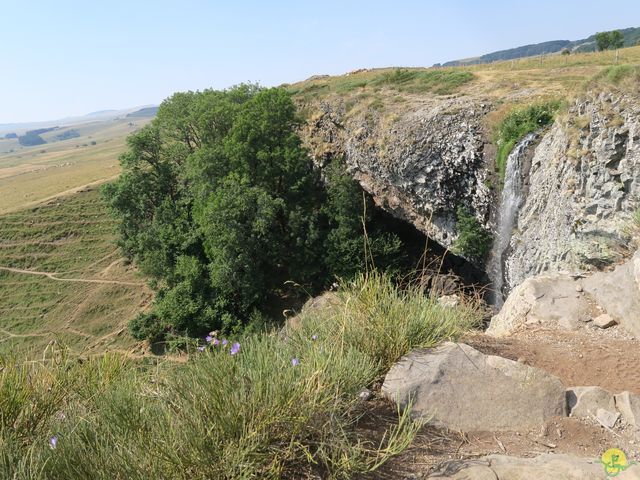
x,y
507,215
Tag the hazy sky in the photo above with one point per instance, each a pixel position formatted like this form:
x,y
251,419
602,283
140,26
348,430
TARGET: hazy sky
x,y
67,57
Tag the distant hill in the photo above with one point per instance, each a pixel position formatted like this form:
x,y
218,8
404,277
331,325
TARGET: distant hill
x,y
631,37
144,112
141,111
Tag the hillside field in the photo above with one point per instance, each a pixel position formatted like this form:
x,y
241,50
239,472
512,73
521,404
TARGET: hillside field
x,y
29,175
62,278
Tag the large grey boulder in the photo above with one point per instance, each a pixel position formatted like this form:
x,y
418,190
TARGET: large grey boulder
x,y
539,300
460,388
544,467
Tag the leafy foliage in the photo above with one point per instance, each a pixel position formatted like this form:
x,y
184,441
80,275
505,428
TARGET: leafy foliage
x,y
609,40
517,124
220,204
473,240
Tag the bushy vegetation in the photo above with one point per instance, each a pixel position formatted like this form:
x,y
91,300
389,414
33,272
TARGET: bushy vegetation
x,y
517,124
473,240
442,82
438,81
266,406
609,40
221,205
619,74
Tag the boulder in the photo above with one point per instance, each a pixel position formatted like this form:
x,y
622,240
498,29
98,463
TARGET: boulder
x,y
539,300
618,292
543,467
628,405
584,402
604,321
458,387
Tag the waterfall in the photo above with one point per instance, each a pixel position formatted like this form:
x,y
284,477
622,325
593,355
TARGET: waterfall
x,y
507,215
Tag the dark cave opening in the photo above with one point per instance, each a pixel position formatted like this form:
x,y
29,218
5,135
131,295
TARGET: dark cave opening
x,y
443,269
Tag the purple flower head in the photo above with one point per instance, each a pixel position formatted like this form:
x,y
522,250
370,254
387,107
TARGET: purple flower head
x,y
224,342
53,442
201,348
294,362
314,337
235,348
215,342
208,338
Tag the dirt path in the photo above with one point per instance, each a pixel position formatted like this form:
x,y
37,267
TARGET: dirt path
x,y
53,276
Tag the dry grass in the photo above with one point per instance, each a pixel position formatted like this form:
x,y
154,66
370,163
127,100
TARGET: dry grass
x,y
27,175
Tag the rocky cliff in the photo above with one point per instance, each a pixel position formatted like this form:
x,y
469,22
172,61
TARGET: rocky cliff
x,y
583,190
419,162
421,159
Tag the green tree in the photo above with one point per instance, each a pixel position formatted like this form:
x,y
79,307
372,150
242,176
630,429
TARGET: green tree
x,y
609,40
220,204
473,240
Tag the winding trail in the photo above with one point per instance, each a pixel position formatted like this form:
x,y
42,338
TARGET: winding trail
x,y
53,276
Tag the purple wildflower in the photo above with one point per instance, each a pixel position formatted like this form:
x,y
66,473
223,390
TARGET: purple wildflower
x,y
294,362
208,338
53,442
215,342
201,348
235,348
314,337
224,342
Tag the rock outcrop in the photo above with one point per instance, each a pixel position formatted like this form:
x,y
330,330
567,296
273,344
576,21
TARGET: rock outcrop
x,y
422,159
419,162
560,298
584,188
458,387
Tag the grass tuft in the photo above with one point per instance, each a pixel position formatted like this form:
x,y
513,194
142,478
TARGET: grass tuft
x,y
284,406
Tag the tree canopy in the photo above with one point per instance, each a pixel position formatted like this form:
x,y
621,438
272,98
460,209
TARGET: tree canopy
x,y
220,204
609,40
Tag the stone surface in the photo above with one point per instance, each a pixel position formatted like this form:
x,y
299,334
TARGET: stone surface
x,y
628,404
584,187
618,292
460,388
544,467
421,166
584,402
607,418
604,321
541,299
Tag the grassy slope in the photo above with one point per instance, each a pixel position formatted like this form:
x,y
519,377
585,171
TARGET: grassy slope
x,y
72,237
31,174
505,83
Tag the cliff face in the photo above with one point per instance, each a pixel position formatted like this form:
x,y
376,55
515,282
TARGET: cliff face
x,y
584,188
418,162
422,159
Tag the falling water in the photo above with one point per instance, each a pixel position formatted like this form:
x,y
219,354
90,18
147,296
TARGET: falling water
x,y
509,205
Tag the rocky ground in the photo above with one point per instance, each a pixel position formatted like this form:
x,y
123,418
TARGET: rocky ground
x,y
542,394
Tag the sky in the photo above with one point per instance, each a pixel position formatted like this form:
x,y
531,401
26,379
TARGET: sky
x,y
63,58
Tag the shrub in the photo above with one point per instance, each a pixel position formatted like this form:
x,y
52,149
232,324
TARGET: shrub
x,y
473,240
517,124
